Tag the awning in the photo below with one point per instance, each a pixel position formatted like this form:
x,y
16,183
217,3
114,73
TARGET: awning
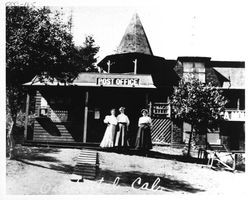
x,y
102,80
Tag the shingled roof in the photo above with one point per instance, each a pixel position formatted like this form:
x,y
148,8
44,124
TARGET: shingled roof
x,y
135,39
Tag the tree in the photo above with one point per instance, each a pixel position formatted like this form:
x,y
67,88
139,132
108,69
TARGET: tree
x,y
197,103
87,54
34,46
39,43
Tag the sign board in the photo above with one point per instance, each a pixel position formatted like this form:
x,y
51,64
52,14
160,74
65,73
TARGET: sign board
x,y
59,115
161,110
97,114
43,112
234,115
118,82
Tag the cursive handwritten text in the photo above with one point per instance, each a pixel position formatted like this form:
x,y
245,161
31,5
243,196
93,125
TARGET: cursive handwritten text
x,y
138,184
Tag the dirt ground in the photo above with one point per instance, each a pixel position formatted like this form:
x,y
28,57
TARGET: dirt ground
x,y
163,171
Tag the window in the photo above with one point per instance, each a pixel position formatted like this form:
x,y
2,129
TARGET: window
x,y
195,69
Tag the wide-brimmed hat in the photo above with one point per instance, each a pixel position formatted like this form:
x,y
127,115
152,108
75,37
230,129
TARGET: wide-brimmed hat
x,y
121,108
144,110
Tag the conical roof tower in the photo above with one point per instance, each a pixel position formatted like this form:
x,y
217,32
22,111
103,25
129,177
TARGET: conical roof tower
x,y
134,56
135,39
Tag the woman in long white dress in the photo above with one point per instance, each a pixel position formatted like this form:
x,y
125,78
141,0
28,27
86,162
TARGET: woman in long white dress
x,y
108,138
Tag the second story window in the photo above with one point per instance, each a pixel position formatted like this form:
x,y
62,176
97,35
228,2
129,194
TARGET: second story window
x,y
195,69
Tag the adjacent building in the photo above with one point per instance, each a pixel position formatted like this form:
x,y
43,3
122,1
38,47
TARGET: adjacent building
x,y
230,77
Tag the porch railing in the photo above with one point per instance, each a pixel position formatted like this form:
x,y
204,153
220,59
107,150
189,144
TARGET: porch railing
x,y
234,115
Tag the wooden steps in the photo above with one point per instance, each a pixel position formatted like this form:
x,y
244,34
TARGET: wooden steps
x,y
87,164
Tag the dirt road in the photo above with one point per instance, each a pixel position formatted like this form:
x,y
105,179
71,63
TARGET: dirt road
x,y
48,171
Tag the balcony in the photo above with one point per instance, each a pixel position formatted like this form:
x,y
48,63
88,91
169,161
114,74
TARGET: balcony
x,y
234,115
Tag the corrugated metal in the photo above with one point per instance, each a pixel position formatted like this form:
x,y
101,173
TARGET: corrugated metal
x,y
161,130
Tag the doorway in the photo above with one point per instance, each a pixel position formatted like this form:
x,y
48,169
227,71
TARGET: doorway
x,y
101,101
235,133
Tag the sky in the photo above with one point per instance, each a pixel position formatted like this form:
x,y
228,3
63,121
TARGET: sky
x,y
210,28
174,28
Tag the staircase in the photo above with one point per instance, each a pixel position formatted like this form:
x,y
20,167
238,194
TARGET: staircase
x,y
87,164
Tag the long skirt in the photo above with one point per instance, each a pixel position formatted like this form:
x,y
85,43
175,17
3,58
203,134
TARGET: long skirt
x,y
108,138
121,138
143,138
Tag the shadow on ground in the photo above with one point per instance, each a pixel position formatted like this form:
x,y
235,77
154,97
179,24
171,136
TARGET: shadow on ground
x,y
159,155
149,180
29,156
35,154
63,168
126,178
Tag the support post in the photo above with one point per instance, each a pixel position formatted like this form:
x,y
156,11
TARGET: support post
x,y
238,104
26,117
135,66
109,64
234,161
85,116
150,109
172,132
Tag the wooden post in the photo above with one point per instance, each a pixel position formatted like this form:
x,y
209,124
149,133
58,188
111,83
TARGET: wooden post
x,y
135,66
150,109
238,104
234,161
26,117
146,100
190,139
172,131
85,116
109,64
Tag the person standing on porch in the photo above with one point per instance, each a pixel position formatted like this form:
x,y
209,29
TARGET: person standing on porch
x,y
108,138
143,138
121,139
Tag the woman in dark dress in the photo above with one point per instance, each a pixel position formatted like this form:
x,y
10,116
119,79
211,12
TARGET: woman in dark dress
x,y
143,138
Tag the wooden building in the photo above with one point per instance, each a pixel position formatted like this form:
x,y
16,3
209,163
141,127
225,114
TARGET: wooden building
x,y
133,78
136,79
230,77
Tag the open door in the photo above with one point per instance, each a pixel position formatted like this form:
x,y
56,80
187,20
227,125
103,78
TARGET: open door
x,y
102,101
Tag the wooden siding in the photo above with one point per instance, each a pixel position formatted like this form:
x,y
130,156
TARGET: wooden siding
x,y
48,130
40,134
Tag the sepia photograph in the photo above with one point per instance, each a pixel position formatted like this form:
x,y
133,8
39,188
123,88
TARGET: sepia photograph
x,y
142,97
